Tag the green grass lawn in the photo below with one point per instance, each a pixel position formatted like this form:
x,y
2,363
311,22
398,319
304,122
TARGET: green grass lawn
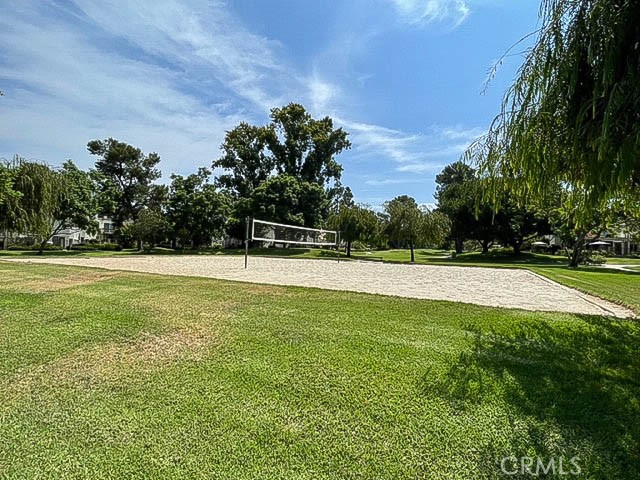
x,y
109,375
442,257
624,261
613,285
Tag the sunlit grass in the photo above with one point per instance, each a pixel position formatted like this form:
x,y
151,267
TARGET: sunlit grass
x,y
142,376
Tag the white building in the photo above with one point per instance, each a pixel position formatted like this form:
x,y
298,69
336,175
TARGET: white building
x,y
72,236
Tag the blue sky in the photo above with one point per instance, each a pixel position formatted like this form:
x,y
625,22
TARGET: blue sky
x,y
403,77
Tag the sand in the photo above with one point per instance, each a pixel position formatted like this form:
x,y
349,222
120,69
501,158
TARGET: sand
x,y
508,288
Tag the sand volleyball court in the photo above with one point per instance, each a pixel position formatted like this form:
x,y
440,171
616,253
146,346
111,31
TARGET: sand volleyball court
x,y
509,288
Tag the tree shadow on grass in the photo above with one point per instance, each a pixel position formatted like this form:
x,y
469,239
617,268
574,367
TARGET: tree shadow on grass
x,y
575,385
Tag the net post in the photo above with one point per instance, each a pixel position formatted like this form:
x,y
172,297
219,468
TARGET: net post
x,y
338,244
246,242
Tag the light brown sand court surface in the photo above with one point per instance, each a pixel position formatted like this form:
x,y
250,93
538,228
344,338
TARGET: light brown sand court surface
x,y
509,288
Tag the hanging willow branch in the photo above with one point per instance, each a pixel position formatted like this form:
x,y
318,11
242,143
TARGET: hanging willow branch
x,y
36,190
572,117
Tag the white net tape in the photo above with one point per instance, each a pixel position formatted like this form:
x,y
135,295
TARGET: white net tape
x,y
291,234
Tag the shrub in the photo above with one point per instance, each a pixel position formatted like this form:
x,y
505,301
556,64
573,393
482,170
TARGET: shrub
x,y
594,257
359,246
29,248
109,247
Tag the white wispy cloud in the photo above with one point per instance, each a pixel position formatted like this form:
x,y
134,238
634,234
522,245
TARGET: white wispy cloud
x,y
423,152
386,142
163,77
203,38
171,77
428,11
390,181
322,94
420,167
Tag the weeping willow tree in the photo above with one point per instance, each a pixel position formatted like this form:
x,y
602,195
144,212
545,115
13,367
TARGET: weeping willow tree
x,y
32,193
571,120
9,201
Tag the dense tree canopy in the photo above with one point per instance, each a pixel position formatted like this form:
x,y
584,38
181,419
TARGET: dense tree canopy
x,y
150,226
77,203
34,202
285,199
245,160
284,171
305,148
572,116
457,199
125,178
196,210
355,223
409,224
9,197
461,196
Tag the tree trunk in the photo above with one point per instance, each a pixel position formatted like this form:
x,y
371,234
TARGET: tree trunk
x,y
517,247
574,260
42,244
485,246
139,244
459,244
413,257
349,249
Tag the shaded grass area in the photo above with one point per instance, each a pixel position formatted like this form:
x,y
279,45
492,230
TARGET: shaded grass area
x,y
143,376
441,257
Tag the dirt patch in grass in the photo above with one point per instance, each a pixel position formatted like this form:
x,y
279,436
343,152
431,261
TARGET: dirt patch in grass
x,y
55,284
113,362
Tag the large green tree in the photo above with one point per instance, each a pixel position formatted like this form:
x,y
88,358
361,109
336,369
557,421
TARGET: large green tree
x,y
456,196
125,177
285,199
245,160
408,224
34,202
150,226
571,116
261,164
461,195
9,201
355,223
305,148
196,210
39,201
76,205
514,224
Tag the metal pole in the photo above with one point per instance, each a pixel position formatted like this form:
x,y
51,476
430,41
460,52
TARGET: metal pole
x,y
246,243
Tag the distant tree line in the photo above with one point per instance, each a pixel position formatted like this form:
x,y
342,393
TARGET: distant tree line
x,y
285,171
460,191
